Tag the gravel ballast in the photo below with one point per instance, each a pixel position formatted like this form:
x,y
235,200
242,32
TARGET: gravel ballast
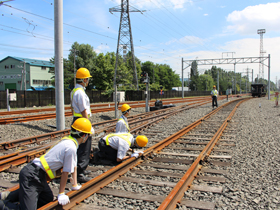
x,y
253,179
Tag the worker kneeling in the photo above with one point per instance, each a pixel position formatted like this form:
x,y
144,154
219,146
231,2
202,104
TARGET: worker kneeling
x,y
34,191
113,147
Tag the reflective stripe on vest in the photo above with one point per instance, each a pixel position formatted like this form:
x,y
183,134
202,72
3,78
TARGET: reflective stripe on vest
x,y
121,119
72,94
215,92
44,162
125,136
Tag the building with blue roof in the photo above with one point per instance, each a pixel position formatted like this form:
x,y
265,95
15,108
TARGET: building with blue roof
x,y
23,73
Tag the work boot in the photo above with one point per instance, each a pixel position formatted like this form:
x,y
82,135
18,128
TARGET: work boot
x,y
87,172
83,178
2,206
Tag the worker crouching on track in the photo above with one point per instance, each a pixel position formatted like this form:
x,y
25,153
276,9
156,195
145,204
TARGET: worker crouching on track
x,y
214,94
122,124
113,148
34,191
80,105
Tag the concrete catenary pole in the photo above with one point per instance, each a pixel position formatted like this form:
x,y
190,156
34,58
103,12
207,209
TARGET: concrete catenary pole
x,y
182,78
59,84
218,81
234,80
268,76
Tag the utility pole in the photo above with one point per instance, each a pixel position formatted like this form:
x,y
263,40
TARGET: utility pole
x,y
75,53
59,84
23,76
218,81
261,71
125,40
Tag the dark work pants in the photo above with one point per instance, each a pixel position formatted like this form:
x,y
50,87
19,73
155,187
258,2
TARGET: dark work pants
x,y
214,101
34,191
83,154
106,152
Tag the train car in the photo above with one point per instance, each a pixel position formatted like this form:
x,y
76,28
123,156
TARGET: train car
x,y
258,89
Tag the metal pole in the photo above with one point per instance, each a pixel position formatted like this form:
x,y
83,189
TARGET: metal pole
x,y
24,75
59,83
153,75
116,66
252,76
8,101
74,68
147,93
218,81
182,78
240,82
234,80
268,76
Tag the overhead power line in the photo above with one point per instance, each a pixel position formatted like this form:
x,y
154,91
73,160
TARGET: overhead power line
x,y
63,23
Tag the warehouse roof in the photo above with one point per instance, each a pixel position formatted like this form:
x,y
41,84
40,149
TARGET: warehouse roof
x,y
32,62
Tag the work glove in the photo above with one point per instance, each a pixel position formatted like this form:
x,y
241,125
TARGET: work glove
x,y
77,187
139,152
135,154
63,199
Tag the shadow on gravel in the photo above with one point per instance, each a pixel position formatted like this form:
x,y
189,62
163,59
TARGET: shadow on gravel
x,y
36,127
105,117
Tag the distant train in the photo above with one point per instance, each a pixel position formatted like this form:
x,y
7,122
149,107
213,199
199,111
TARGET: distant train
x,y
258,90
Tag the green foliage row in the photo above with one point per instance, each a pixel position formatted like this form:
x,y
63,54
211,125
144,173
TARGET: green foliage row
x,y
226,80
102,69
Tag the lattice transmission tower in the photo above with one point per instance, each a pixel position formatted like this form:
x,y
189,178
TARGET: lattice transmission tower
x,y
261,67
125,40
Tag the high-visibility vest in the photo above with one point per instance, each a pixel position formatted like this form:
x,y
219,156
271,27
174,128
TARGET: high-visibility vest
x,y
121,119
44,162
73,111
124,136
215,92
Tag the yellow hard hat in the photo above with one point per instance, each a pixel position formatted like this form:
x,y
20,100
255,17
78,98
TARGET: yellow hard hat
x,y
82,125
141,140
125,107
83,73
214,86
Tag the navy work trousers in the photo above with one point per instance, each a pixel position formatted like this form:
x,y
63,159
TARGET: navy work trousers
x,y
34,191
214,101
83,153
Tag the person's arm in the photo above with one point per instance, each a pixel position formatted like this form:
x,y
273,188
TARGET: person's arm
x,y
63,181
124,158
74,177
84,113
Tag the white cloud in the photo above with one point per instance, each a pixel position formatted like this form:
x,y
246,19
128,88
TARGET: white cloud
x,y
102,49
256,17
205,14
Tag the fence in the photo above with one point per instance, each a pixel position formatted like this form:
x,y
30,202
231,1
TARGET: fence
x,y
47,98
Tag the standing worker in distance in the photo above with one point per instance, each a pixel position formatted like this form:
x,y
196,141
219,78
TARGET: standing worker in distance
x,y
214,94
80,105
34,191
122,124
113,147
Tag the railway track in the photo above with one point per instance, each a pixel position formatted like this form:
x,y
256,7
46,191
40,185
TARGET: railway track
x,y
43,142
156,180
95,108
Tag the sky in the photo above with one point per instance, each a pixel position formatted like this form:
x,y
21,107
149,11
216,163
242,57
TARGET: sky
x,y
166,31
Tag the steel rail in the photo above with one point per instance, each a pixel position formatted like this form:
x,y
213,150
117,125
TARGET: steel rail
x,y
18,158
18,119
37,139
104,179
177,192
131,103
